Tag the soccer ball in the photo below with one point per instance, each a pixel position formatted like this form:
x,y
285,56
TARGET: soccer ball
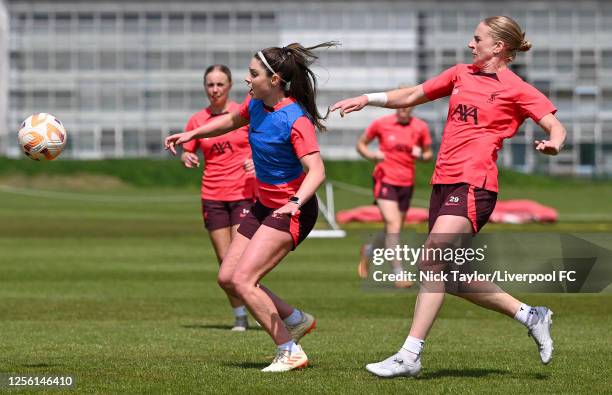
x,y
42,136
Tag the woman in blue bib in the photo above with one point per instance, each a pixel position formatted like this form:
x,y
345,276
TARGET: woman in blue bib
x,y
282,116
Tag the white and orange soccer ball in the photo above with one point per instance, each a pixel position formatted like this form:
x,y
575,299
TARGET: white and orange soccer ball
x,y
42,137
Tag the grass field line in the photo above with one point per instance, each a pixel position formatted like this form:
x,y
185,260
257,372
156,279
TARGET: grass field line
x,y
368,192
98,199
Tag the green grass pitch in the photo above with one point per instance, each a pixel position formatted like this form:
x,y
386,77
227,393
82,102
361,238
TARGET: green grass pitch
x,y
118,289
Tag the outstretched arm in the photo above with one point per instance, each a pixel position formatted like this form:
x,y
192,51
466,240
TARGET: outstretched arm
x,y
397,98
556,130
216,127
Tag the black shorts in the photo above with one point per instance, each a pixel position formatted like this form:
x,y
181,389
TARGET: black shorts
x,y
400,194
298,225
464,200
218,214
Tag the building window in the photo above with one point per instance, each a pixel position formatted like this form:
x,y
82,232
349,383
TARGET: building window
x,y
565,61
153,23
221,58
541,59
176,60
198,60
86,60
267,21
40,60
108,23
176,23
40,23
176,100
153,100
153,140
108,60
108,98
448,21
221,22
564,21
18,23
63,23
244,22
131,99
197,100
17,100
87,96
131,141
17,61
62,61
132,60
130,23
39,100
153,60
198,23
86,23
63,100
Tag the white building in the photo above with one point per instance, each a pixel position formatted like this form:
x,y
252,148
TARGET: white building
x,y
122,75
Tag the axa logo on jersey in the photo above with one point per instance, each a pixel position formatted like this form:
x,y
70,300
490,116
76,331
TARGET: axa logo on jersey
x,y
462,112
219,148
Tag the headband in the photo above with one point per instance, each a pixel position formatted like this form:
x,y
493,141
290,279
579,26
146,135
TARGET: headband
x,y
265,62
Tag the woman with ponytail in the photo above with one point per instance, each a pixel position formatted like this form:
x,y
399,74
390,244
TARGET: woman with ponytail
x,y
282,116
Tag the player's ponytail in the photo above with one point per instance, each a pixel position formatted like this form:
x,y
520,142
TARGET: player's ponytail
x,y
292,64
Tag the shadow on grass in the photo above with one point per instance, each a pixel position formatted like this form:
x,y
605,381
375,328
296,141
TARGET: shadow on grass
x,y
216,326
256,365
461,373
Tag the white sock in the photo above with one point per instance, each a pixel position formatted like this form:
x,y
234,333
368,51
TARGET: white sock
x,y
240,311
412,348
526,315
289,346
294,318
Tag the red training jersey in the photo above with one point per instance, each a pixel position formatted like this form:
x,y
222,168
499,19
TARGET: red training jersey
x,y
484,109
396,142
224,177
304,142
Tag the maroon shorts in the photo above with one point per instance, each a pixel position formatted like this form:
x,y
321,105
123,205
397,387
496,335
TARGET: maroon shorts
x,y
298,225
218,214
396,193
464,200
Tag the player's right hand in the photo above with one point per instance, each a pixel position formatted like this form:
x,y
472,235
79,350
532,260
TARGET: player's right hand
x,y
190,160
378,156
172,141
349,105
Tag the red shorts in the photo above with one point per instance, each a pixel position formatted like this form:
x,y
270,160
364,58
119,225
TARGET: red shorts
x,y
218,214
298,225
464,200
401,195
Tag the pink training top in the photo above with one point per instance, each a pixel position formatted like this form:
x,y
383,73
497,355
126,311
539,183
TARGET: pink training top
x,y
484,109
304,141
224,177
396,142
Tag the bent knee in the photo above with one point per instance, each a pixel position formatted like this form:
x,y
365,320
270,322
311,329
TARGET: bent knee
x,y
225,281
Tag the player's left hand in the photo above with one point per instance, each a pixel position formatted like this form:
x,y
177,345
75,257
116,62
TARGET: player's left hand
x,y
287,209
547,147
